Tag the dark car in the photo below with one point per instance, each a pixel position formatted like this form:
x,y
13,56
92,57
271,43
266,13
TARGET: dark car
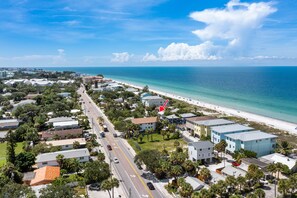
x,y
94,186
109,147
150,185
115,135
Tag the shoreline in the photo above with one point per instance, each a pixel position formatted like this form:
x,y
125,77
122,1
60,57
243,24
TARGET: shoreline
x,y
271,122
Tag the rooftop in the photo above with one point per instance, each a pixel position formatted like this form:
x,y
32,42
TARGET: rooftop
x,y
187,115
152,98
230,170
81,141
201,144
75,153
250,136
59,119
231,128
144,120
172,117
45,174
258,162
195,183
199,118
66,123
9,122
214,122
276,157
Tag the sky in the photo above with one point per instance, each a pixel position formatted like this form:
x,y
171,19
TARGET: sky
x,y
148,33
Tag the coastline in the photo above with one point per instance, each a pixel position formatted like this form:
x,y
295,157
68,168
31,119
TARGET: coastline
x,y
272,122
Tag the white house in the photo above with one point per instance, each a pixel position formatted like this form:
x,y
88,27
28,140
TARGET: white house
x,y
256,141
232,171
67,143
195,183
145,123
277,157
150,101
218,132
66,125
49,159
202,150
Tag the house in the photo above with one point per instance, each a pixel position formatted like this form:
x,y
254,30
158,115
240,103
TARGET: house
x,y
64,94
9,124
42,176
59,119
184,117
215,177
218,132
61,134
32,96
190,122
145,123
203,127
49,159
145,94
202,150
173,119
66,125
245,162
277,157
67,143
131,89
22,102
195,183
151,101
232,171
65,82
256,141
119,100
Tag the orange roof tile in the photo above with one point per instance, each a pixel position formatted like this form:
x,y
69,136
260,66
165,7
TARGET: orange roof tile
x,y
45,175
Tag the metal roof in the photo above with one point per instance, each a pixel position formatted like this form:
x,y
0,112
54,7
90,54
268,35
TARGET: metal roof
x,y
250,136
152,98
230,170
201,144
172,117
59,119
187,115
231,128
75,153
214,122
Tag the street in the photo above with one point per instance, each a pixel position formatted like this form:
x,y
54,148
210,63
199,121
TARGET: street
x,y
127,172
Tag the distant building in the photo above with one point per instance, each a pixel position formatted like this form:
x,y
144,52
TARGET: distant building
x,y
256,141
59,119
218,132
49,159
67,143
64,94
202,150
92,79
145,94
22,103
277,157
6,74
173,119
151,101
203,127
8,124
42,176
145,123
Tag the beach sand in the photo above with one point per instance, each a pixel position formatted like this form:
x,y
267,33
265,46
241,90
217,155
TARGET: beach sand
x,y
275,123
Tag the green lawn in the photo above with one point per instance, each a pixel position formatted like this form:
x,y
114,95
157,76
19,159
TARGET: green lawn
x,y
157,143
18,149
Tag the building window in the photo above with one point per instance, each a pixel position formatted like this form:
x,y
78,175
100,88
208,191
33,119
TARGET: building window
x,y
44,163
208,148
241,142
200,149
81,158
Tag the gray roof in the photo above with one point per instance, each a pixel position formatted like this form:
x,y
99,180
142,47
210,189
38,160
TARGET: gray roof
x,y
60,119
187,115
75,153
195,183
172,117
214,122
231,128
201,144
230,170
250,136
9,122
152,98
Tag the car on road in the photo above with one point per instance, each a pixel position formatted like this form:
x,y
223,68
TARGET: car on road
x,y
115,135
115,160
150,185
95,186
109,147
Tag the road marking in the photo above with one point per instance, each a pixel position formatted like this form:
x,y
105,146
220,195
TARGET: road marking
x,y
144,195
132,175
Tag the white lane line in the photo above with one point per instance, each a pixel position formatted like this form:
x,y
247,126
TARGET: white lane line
x,y
132,184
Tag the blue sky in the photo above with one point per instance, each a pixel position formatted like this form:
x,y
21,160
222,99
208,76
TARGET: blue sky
x,y
147,32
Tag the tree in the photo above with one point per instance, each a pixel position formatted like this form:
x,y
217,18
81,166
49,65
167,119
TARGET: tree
x,y
259,193
10,146
203,193
186,190
145,89
96,172
204,174
189,166
163,133
76,145
13,190
176,171
101,156
283,186
231,182
283,148
24,161
60,159
241,181
109,184
57,191
11,172
150,158
176,143
71,165
221,146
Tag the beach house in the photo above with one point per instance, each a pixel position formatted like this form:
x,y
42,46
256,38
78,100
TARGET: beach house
x,y
256,141
50,159
185,116
277,157
203,127
151,101
218,132
190,122
202,150
145,123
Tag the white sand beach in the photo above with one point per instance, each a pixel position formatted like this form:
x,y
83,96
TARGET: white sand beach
x,y
275,123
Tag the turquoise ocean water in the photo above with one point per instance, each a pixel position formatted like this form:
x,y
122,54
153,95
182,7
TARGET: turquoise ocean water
x,y
268,91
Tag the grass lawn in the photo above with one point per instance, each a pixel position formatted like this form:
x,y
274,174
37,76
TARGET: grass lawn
x,y
18,149
157,143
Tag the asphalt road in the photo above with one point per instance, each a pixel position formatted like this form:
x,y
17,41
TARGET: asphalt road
x,y
130,176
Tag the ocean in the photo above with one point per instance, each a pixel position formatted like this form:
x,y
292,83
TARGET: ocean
x,y
267,91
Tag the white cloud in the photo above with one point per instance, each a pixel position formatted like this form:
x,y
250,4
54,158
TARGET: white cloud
x,y
227,32
121,57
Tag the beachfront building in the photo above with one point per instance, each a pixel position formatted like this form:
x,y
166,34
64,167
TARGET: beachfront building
x,y
185,116
190,122
202,150
256,141
9,124
151,101
145,123
218,132
50,159
277,157
145,94
203,127
172,119
93,80
42,176
67,143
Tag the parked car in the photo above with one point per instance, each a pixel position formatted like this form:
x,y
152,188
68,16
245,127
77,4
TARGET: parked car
x,y
263,181
109,147
150,185
115,160
115,135
95,186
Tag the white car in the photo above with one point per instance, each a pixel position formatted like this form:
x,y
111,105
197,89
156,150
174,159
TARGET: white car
x,y
263,181
115,160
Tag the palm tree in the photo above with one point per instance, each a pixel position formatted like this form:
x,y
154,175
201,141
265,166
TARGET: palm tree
x,y
189,166
283,186
259,193
204,174
163,133
222,187
60,160
241,181
231,181
271,169
176,171
203,193
251,195
186,190
109,184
